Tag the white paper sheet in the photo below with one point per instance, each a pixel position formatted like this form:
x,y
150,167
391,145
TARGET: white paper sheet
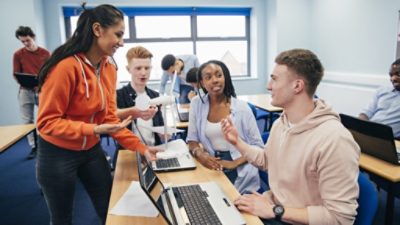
x,y
160,130
174,148
134,202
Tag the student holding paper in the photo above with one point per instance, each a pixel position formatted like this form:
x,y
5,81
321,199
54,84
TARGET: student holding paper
x,y
77,104
139,66
28,59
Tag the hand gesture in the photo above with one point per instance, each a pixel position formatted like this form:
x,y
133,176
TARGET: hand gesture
x,y
191,95
148,113
151,152
208,161
229,130
108,128
228,164
256,204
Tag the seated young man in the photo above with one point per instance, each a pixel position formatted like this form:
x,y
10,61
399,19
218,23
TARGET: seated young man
x,y
139,66
384,107
311,159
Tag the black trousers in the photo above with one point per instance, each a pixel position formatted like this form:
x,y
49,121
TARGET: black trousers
x,y
57,171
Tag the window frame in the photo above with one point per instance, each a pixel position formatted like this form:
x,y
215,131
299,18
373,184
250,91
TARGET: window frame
x,y
193,12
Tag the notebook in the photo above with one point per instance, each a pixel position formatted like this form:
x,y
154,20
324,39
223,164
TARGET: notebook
x,y
373,138
26,80
201,203
175,157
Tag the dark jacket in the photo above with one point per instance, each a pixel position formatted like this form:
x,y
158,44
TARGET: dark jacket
x,y
126,98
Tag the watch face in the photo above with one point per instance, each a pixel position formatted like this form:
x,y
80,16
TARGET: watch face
x,y
278,210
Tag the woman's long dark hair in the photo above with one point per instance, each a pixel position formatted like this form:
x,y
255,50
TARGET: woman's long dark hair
x,y
82,38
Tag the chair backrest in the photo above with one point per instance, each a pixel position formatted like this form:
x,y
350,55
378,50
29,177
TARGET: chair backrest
x,y
265,136
367,201
253,109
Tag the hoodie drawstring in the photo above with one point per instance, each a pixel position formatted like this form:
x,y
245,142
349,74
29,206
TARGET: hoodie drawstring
x,y
84,76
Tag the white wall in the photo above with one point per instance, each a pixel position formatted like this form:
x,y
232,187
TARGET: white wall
x,y
15,13
356,41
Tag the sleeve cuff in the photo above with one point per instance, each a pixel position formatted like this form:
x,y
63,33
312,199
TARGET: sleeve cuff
x,y
88,129
141,148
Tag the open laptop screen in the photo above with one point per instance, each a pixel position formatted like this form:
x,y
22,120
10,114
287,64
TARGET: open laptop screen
x,y
373,138
153,188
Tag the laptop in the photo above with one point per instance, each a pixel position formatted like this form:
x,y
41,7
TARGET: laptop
x,y
183,113
175,158
26,80
373,138
195,204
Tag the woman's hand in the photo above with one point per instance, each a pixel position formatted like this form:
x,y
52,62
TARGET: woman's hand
x,y
108,128
208,161
151,152
229,164
230,132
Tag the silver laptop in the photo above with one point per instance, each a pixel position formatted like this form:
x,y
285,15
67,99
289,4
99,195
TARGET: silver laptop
x,y
183,113
373,138
175,157
195,204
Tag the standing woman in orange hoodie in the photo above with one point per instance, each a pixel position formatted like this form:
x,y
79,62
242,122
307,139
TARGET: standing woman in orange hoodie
x,y
77,103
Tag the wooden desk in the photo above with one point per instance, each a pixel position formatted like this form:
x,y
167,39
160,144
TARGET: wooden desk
x,y
126,171
388,174
262,101
11,134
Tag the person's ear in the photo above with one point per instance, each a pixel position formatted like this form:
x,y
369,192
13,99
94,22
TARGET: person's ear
x,y
127,68
299,86
96,27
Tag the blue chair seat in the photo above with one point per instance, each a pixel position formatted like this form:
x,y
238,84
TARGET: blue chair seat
x,y
367,201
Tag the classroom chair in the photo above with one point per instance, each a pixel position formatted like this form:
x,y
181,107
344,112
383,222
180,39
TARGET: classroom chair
x,y
264,186
367,201
260,114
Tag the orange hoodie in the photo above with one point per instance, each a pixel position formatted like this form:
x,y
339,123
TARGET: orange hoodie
x,y
73,100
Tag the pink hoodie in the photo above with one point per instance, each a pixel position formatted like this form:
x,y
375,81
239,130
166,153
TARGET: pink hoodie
x,y
313,164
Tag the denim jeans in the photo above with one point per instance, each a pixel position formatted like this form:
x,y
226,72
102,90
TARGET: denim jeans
x,y
57,171
27,100
230,173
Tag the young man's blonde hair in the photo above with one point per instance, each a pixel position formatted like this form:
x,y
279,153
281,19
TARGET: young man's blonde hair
x,y
138,52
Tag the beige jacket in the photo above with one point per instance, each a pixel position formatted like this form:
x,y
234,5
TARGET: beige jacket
x,y
313,164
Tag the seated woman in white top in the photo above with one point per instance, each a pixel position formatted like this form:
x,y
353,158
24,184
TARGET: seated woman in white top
x,y
205,137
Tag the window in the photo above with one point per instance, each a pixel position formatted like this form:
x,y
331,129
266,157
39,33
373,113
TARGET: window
x,y
209,33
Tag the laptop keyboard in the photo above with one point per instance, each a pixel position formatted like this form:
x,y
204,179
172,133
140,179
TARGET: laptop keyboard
x,y
167,163
197,206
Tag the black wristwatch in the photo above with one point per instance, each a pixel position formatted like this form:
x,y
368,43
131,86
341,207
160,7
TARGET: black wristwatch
x,y
278,211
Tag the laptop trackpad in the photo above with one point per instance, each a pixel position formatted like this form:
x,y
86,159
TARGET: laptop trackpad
x,y
225,209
